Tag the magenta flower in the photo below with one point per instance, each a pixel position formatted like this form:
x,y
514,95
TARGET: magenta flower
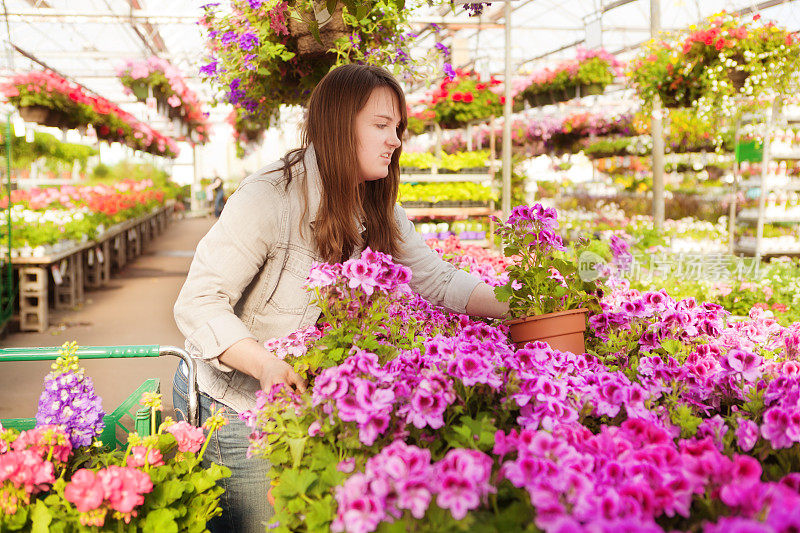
x,y
746,434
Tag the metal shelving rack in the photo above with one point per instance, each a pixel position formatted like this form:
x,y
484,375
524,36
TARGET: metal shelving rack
x,y
772,118
446,212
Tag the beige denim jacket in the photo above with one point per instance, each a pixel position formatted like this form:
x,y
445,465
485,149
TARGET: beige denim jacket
x,y
247,276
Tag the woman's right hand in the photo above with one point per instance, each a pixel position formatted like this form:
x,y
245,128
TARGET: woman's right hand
x,y
250,357
277,372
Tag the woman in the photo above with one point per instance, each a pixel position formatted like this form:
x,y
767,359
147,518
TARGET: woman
x,y
323,202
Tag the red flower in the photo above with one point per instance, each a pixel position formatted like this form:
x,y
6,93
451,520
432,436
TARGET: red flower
x,y
457,97
757,16
502,99
788,40
468,97
708,39
720,43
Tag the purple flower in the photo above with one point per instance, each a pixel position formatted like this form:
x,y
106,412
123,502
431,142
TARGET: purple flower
x,y
448,71
209,69
69,400
429,401
781,427
228,38
248,41
255,4
442,48
746,434
742,363
714,428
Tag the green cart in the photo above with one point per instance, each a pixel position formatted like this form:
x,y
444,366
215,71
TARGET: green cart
x,y
128,417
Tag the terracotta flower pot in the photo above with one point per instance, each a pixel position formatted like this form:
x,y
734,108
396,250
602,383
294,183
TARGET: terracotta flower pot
x,y
333,28
563,330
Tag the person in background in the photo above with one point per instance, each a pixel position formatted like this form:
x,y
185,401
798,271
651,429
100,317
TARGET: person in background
x,y
325,201
216,192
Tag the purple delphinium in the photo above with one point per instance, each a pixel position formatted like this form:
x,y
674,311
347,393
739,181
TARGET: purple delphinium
x,y
448,71
69,400
248,41
228,38
209,70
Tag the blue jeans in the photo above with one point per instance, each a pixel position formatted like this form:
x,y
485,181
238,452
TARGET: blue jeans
x,y
245,508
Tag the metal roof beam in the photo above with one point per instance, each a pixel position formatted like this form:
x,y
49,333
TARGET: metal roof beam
x,y
136,15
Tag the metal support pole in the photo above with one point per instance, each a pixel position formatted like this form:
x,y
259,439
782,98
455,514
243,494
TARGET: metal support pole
x,y
657,132
8,307
766,160
506,207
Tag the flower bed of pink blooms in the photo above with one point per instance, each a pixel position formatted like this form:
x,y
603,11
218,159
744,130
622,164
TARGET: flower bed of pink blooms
x,y
676,419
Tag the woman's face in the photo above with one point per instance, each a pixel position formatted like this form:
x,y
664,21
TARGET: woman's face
x,y
376,134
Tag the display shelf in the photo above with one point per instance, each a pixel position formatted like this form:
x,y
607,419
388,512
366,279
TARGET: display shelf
x,y
749,248
751,216
771,184
450,211
769,180
444,178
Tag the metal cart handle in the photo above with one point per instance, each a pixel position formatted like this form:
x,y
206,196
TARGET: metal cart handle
x,y
115,352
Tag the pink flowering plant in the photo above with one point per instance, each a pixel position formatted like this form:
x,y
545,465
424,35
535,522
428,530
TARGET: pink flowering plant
x,y
157,77
676,420
545,277
57,477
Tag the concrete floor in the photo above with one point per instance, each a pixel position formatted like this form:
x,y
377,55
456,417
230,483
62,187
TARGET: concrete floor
x,y
135,308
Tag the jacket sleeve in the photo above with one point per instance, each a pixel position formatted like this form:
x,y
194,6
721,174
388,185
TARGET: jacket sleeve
x,y
432,277
226,261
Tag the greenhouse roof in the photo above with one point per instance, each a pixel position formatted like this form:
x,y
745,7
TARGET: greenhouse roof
x,y
86,40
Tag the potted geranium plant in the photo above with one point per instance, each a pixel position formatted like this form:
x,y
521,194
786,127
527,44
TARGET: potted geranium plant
x,y
548,298
463,97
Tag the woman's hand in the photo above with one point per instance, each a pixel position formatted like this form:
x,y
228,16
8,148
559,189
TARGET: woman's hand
x,y
252,358
277,372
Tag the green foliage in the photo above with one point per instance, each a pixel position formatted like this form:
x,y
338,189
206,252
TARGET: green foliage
x,y
442,192
453,162
55,153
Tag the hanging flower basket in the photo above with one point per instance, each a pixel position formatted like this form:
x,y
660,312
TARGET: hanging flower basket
x,y
737,75
563,330
592,89
35,113
331,28
140,90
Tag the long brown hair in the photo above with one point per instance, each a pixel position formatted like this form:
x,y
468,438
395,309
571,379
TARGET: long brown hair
x,y
330,126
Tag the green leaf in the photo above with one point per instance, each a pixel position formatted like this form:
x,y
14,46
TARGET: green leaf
x,y
320,513
166,493
41,518
296,447
330,5
159,521
293,483
503,292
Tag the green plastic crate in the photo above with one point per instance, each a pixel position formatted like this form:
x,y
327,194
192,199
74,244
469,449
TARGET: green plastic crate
x,y
127,417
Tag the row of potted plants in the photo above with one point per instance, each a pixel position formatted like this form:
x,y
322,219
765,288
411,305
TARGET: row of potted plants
x,y
587,74
463,97
156,77
459,194
458,162
537,136
48,99
419,420
710,65
43,217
